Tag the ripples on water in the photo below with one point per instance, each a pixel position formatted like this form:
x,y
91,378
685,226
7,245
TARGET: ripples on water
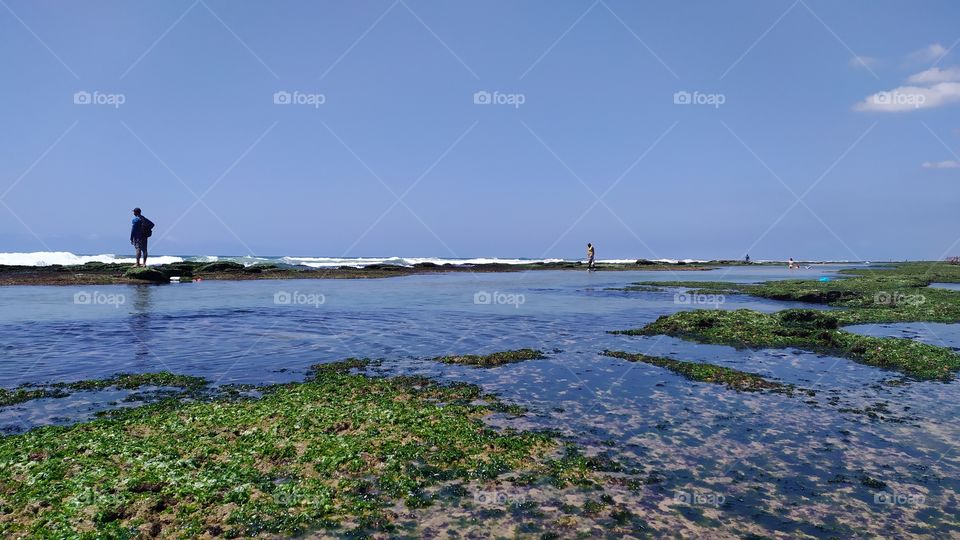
x,y
776,459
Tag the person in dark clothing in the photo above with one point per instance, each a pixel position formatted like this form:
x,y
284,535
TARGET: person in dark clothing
x,y
139,232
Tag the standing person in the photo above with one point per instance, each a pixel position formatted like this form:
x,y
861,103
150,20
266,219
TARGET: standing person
x,y
141,229
590,255
791,264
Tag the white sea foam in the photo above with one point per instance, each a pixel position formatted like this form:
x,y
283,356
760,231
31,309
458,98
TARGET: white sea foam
x,y
333,262
46,258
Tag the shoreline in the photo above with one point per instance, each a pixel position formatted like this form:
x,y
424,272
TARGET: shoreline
x,y
96,273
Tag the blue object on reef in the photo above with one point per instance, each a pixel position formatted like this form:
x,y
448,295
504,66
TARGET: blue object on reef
x,y
824,278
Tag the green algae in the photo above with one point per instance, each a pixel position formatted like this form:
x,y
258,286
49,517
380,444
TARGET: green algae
x,y
492,360
816,331
24,394
310,455
899,293
703,372
121,381
132,381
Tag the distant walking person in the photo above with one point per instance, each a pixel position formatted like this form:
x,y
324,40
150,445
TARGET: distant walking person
x,y
590,255
139,233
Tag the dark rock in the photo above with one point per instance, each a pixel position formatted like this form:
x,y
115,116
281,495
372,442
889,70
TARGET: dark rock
x,y
146,274
222,266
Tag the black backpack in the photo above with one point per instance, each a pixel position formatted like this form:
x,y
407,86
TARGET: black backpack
x,y
147,227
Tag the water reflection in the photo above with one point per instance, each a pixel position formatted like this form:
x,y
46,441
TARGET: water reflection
x,y
140,319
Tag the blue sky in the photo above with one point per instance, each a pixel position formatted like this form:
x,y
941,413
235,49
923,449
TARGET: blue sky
x,y
790,147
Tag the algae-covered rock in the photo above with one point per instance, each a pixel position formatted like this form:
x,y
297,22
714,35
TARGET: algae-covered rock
x,y
222,266
259,268
184,269
146,274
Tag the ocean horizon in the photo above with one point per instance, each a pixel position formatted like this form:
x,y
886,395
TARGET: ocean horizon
x,y
66,258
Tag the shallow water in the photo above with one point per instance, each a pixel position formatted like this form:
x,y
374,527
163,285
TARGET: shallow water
x,y
939,334
751,462
950,286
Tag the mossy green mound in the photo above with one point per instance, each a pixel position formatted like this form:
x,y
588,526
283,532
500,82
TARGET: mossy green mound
x,y
222,266
702,372
338,447
493,360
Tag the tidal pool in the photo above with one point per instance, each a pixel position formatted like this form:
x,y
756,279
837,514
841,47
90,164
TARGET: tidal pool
x,y
864,452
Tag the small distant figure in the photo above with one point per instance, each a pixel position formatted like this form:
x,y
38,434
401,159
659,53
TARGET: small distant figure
x,y
791,264
141,230
747,259
591,253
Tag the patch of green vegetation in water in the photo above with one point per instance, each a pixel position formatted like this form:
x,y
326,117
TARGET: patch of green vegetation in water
x,y
493,360
21,395
900,293
132,381
703,372
897,294
339,447
806,329
122,381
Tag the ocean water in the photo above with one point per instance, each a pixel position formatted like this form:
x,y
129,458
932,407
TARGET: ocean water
x,y
46,258
795,464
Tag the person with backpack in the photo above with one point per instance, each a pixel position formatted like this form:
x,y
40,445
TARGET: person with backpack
x,y
141,230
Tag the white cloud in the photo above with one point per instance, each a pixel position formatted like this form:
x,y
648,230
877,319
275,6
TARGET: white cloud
x,y
948,164
936,75
931,53
909,98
